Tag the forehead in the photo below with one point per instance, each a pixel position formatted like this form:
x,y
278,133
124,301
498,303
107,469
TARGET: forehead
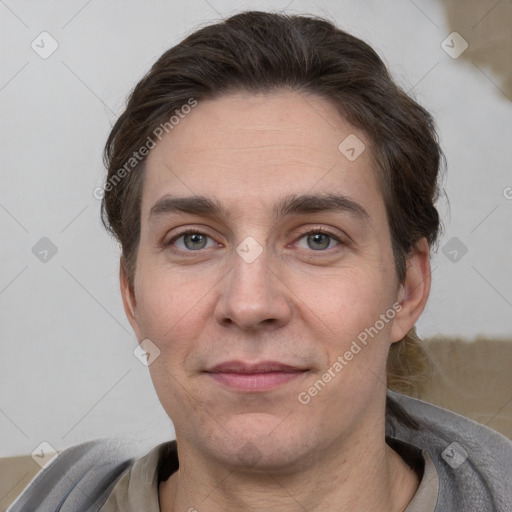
x,y
245,149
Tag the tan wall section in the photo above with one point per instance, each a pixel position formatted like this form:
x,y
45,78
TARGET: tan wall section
x,y
15,474
487,26
473,379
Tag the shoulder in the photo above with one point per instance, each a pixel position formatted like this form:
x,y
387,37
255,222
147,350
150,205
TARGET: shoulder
x,y
79,478
474,462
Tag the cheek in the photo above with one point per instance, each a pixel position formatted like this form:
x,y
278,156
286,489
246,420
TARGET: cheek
x,y
351,298
358,337
170,313
169,306
168,293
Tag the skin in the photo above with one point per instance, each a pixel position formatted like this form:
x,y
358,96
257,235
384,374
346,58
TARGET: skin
x,y
295,303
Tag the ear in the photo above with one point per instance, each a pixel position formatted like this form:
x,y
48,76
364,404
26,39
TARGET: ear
x,y
128,295
414,291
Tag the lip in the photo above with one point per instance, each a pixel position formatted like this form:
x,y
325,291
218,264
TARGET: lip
x,y
254,377
237,366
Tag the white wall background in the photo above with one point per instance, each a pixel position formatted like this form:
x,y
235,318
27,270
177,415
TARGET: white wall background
x,y
67,371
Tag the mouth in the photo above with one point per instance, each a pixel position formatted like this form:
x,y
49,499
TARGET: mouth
x,y
254,377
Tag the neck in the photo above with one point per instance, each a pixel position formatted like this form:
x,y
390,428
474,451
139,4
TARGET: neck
x,y
354,474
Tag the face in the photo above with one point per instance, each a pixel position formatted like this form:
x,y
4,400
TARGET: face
x,y
259,295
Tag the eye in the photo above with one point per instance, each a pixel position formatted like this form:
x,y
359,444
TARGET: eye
x,y
319,240
191,241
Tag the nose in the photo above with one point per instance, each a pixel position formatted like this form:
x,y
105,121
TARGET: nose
x,y
252,295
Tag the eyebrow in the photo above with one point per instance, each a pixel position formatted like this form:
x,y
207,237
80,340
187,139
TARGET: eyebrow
x,y
289,205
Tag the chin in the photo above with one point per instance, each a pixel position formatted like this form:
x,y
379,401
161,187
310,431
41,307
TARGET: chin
x,y
259,442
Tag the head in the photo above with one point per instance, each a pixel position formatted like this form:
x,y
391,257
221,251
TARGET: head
x,y
310,180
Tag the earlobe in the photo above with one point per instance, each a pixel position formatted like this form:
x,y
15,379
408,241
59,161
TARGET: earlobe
x,y
414,291
128,296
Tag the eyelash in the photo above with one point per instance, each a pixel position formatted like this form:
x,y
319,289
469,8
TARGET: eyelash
x,y
192,231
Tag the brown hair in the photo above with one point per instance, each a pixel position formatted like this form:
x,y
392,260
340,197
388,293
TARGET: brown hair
x,y
265,52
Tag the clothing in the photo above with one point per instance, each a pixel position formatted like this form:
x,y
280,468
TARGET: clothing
x,y
467,467
426,496
137,489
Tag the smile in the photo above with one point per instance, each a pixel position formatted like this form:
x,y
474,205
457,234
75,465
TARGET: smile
x,y
254,377
255,382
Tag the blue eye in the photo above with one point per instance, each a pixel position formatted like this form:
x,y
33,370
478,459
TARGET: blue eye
x,y
320,240
192,241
